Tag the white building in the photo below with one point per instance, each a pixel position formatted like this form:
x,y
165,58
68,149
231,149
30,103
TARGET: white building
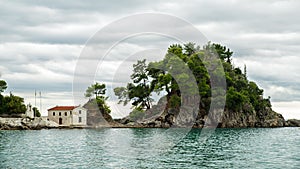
x,y
68,115
29,112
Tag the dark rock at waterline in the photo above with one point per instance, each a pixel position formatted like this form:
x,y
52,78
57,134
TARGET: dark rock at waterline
x,y
292,123
189,117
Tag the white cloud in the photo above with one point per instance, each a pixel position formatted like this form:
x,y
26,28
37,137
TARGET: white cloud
x,y
289,110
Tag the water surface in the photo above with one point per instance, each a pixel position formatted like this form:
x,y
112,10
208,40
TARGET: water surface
x,y
150,148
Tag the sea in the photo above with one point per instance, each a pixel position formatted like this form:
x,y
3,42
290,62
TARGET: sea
x,y
117,148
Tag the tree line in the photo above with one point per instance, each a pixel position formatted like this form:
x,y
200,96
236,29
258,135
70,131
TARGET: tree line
x,y
11,104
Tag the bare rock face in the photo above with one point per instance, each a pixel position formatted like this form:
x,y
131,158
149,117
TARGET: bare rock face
x,y
218,118
265,118
269,118
96,118
187,116
293,123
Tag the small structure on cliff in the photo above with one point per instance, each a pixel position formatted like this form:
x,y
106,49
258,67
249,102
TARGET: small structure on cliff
x,y
29,112
68,115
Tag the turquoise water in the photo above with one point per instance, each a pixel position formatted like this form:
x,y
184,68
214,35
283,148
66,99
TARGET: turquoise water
x,y
150,148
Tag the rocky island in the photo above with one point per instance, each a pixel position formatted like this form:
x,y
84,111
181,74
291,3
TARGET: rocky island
x,y
198,91
244,105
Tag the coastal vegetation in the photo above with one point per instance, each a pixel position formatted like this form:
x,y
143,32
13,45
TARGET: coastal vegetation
x,y
186,73
96,93
10,105
168,75
98,111
36,112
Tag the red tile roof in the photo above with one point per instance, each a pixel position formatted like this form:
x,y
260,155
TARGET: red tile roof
x,y
63,108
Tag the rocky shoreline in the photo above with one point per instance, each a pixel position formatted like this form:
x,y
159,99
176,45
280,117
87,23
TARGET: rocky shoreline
x,y
159,123
25,123
292,123
158,117
39,123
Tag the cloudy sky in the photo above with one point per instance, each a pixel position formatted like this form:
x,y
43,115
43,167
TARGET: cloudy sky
x,y
41,42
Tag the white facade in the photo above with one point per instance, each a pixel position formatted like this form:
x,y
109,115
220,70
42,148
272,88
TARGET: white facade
x,y
79,116
68,115
29,112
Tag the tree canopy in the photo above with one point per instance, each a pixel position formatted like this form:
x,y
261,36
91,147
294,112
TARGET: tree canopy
x,y
3,86
166,75
98,90
36,112
10,104
139,90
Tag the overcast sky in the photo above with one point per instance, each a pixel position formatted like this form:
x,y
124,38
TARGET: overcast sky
x,y
40,42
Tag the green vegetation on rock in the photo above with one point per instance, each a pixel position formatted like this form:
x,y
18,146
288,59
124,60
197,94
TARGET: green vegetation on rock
x,y
98,111
243,96
136,114
98,90
36,112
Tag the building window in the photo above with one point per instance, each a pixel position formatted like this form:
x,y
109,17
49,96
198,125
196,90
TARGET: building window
x,y
79,111
53,113
70,112
66,113
59,113
79,119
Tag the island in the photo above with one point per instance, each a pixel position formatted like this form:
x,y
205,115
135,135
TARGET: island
x,y
199,90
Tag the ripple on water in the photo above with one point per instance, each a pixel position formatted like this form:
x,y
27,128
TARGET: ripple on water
x,y
150,148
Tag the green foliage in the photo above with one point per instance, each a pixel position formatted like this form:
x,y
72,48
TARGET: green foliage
x,y
139,91
98,90
161,79
12,105
189,48
122,93
174,101
103,107
136,114
3,86
36,112
168,74
224,53
95,89
235,100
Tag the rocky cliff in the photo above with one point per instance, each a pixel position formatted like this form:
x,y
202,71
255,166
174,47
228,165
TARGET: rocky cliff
x,y
220,118
98,118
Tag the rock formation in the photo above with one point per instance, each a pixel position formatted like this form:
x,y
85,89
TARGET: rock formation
x,y
292,123
220,118
25,123
98,118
